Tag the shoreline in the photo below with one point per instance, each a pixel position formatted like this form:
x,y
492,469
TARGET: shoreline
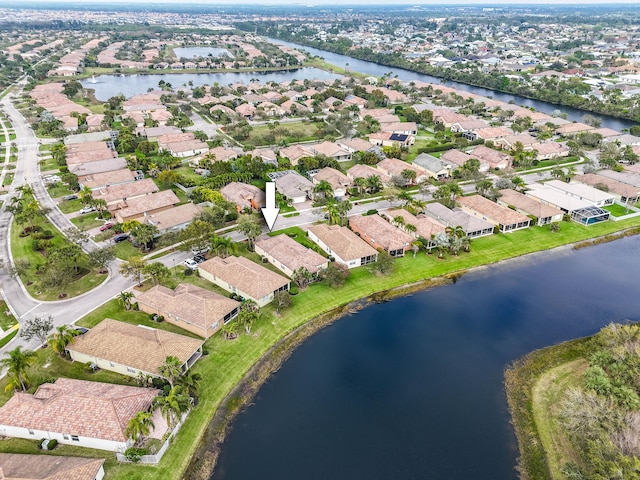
x,y
205,457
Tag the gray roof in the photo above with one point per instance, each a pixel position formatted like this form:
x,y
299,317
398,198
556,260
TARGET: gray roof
x,y
293,185
456,217
431,163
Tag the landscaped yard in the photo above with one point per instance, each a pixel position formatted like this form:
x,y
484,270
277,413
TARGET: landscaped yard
x,y
49,165
57,190
7,320
295,132
617,210
88,221
21,247
299,236
69,206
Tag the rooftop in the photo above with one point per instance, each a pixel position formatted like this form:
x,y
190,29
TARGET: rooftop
x,y
16,466
346,244
290,253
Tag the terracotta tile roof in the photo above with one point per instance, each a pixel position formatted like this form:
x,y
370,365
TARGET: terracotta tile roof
x,y
107,178
242,194
376,229
393,167
195,305
173,217
16,466
614,186
365,171
425,226
492,132
455,156
148,203
548,148
336,178
329,149
490,156
125,190
90,157
107,165
357,144
493,211
290,253
78,407
346,244
139,347
530,205
456,217
244,274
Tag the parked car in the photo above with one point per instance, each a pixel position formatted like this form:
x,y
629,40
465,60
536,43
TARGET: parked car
x,y
121,237
70,197
87,209
199,258
199,251
81,330
191,263
106,226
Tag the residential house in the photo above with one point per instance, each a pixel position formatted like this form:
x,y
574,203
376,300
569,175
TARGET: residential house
x,y
287,255
432,166
592,195
339,181
76,412
243,195
353,145
173,219
294,153
459,158
394,168
572,129
492,158
487,133
472,225
107,179
137,208
18,466
133,349
343,245
580,210
390,139
100,166
239,275
115,194
187,148
628,176
294,187
153,133
190,307
550,150
331,150
379,233
361,170
623,192
404,128
468,125
506,219
509,142
542,213
426,227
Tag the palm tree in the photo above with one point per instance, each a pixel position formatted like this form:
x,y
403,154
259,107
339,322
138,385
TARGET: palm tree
x,y
230,330
139,426
17,364
410,228
442,241
61,338
398,220
124,298
374,184
173,405
171,369
361,184
224,244
190,383
405,197
323,188
343,208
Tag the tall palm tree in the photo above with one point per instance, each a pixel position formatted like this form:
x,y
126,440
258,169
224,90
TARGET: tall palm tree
x,y
374,184
139,426
224,244
173,405
361,184
171,369
323,188
61,338
17,364
398,220
190,383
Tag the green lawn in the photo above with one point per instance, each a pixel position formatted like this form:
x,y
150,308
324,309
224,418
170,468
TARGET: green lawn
x,y
6,339
187,172
297,132
57,190
125,250
299,236
617,210
229,361
69,206
21,248
8,179
7,320
87,222
49,165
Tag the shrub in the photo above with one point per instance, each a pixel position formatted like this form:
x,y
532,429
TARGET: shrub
x,y
373,211
134,454
231,216
293,290
51,444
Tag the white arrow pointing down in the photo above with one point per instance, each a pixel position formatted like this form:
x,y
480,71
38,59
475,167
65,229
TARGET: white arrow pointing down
x,y
270,213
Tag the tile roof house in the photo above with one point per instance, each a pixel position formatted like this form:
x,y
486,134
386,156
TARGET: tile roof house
x,y
17,466
339,181
294,153
133,349
592,195
137,208
173,219
394,167
243,195
543,213
458,158
294,187
487,133
193,308
353,145
76,412
331,150
472,226
624,192
426,227
91,168
571,129
549,150
287,255
366,171
509,142
238,275
119,193
506,219
491,157
343,245
107,179
379,233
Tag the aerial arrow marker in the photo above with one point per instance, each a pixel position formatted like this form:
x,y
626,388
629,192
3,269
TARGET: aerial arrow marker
x,y
271,212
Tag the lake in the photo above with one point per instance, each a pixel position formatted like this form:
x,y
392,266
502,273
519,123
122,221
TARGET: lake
x,y
197,52
413,388
375,69
107,86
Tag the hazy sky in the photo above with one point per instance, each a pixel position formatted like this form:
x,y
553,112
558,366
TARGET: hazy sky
x,y
13,3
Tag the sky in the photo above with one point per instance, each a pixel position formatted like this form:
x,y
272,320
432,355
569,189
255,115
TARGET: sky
x,y
325,2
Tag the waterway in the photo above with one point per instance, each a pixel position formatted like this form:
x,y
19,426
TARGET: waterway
x,y
377,70
413,388
107,86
